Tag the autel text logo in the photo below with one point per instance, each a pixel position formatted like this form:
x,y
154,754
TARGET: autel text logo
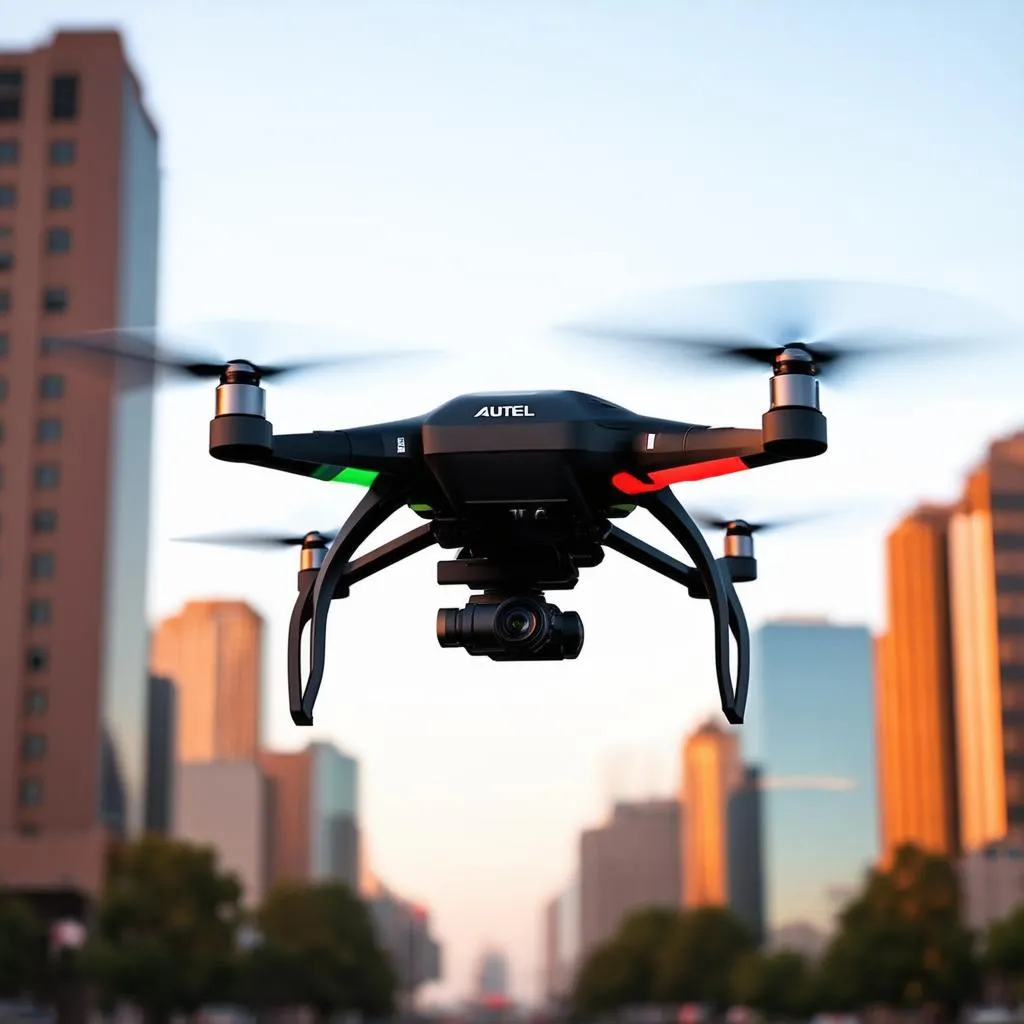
x,y
503,410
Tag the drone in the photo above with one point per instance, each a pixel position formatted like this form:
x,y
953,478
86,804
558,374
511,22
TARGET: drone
x,y
527,489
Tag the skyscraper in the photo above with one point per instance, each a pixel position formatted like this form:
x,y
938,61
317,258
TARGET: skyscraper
x,y
316,819
914,690
492,975
629,863
746,853
811,729
213,650
161,746
711,772
986,561
79,229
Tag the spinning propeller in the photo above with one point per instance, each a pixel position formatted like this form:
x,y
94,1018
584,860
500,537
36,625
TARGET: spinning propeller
x,y
147,348
740,525
813,317
264,541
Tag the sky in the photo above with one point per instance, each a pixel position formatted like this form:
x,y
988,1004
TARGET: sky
x,y
436,172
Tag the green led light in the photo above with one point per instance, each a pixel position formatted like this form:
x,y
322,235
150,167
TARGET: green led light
x,y
334,475
359,477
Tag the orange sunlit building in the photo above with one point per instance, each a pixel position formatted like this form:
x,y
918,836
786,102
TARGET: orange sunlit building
x,y
712,770
213,650
79,236
986,563
914,690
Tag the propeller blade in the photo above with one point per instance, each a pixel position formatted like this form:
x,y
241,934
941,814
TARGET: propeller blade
x,y
255,540
149,347
714,521
769,316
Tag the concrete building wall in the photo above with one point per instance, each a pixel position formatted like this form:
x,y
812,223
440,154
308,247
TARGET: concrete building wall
x,y
630,863
75,495
226,804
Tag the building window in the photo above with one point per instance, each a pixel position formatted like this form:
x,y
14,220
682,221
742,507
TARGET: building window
x,y
62,152
5,301
64,97
51,386
55,300
30,793
10,94
60,197
58,240
1,431
8,195
36,702
9,152
6,260
48,430
40,566
44,520
40,612
47,476
33,747
38,659
3,389
5,343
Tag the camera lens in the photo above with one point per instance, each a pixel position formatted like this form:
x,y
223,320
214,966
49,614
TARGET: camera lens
x,y
517,622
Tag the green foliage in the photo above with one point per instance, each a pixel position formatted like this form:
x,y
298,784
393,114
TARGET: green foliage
x,y
901,942
1004,951
22,948
167,927
661,955
701,955
778,984
318,949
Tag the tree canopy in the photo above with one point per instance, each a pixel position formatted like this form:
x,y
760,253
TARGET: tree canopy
x,y
167,927
318,948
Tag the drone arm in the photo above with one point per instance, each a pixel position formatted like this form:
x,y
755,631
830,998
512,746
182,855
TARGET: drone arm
x,y
387,555
650,557
661,458
725,607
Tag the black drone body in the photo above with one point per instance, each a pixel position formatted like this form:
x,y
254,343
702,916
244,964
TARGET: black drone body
x,y
524,487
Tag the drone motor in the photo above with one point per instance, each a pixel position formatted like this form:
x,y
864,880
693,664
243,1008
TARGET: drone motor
x,y
793,427
739,552
520,627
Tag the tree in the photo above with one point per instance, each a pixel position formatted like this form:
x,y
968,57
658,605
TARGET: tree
x,y
778,984
625,970
1004,951
901,942
318,949
167,927
700,956
22,947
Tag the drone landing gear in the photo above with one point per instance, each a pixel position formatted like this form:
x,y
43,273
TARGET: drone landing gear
x,y
331,576
706,578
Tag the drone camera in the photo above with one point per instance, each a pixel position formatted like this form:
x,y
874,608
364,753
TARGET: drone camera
x,y
794,427
518,628
240,430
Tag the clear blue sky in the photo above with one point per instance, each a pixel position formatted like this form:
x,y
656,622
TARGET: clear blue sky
x,y
470,172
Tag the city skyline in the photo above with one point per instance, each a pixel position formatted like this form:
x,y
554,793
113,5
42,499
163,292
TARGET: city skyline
x,y
442,206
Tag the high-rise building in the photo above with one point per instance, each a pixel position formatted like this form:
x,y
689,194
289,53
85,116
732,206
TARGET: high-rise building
x,y
492,975
746,853
213,650
79,231
628,863
914,691
316,827
549,947
229,805
161,745
404,931
711,772
986,569
811,729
